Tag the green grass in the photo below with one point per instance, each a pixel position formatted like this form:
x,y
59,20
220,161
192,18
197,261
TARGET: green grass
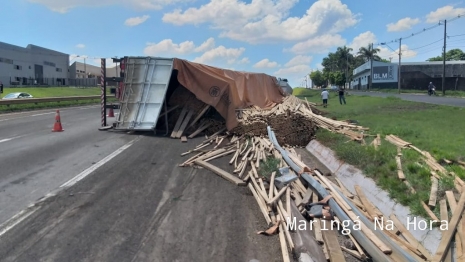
x,y
45,92
42,92
434,128
269,166
453,93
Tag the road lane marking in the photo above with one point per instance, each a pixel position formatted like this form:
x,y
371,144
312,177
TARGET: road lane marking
x,y
48,113
22,215
16,219
9,139
94,167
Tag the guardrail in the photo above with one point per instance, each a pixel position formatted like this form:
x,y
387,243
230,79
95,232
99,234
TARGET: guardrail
x,y
8,102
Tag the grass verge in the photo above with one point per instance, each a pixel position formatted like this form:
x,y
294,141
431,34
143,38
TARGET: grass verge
x,y
54,92
41,92
434,128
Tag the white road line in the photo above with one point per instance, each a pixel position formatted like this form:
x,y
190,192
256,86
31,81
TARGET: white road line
x,y
9,139
91,169
48,113
18,218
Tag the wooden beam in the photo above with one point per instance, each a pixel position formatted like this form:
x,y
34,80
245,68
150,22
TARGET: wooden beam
x,y
400,173
184,139
184,124
179,122
260,204
199,115
353,253
331,242
317,224
409,237
221,172
368,206
430,213
447,235
445,216
434,192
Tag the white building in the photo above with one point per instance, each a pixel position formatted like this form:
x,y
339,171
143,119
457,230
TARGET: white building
x,y
32,65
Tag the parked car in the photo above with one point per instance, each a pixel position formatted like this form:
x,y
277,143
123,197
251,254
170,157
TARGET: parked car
x,y
17,96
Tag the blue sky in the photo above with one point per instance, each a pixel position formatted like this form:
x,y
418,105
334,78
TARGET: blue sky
x,y
284,38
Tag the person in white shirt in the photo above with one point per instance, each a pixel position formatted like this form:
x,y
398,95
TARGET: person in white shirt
x,y
325,96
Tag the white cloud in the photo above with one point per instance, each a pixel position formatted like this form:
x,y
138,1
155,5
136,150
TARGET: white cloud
x,y
244,60
80,45
63,6
133,21
319,44
211,53
265,21
444,12
362,40
403,24
220,53
299,60
265,63
207,45
167,47
387,53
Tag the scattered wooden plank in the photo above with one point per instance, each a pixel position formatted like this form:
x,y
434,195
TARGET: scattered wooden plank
x,y
168,111
400,173
260,204
184,124
445,216
221,172
270,193
197,118
344,189
352,252
430,213
288,200
409,237
451,199
184,139
447,235
412,190
306,199
280,193
363,256
368,206
179,122
331,242
282,240
434,192
317,224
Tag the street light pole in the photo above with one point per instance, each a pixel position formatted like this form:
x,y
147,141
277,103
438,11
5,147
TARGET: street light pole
x,y
398,74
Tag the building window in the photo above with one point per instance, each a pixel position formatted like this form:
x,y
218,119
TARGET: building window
x,y
58,69
17,67
49,63
6,60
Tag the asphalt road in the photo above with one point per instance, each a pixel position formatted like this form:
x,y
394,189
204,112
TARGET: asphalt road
x,y
137,206
449,101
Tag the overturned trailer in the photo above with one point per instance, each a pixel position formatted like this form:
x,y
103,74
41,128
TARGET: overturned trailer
x,y
149,82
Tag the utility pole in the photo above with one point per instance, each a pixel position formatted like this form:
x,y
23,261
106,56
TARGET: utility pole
x,y
371,68
398,74
444,61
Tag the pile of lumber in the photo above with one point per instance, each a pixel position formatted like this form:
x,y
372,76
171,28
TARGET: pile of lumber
x,y
247,155
293,121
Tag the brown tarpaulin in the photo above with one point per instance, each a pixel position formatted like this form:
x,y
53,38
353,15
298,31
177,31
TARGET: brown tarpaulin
x,y
228,90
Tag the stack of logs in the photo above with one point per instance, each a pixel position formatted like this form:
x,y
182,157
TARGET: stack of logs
x,y
293,121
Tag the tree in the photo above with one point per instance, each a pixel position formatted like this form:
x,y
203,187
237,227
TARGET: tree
x,y
451,55
367,52
317,78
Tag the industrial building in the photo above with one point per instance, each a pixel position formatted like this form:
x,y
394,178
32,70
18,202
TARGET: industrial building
x,y
414,75
83,74
32,65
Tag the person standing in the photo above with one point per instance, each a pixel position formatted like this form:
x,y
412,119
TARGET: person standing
x,y
341,96
431,88
325,96
1,89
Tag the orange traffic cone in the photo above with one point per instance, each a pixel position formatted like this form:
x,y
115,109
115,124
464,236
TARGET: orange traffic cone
x,y
57,127
111,113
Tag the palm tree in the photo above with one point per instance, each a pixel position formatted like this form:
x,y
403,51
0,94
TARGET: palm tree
x,y
367,52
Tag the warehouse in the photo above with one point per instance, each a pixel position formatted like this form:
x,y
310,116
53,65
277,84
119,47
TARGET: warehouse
x,y
414,75
32,65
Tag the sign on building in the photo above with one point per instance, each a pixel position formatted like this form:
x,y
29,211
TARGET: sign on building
x,y
383,73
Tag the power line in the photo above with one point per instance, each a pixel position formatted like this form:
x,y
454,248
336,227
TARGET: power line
x,y
422,31
427,44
